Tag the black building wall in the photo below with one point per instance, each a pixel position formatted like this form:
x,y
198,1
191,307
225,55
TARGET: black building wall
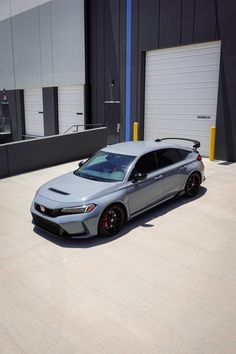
x,y
16,112
15,99
161,24
50,110
106,37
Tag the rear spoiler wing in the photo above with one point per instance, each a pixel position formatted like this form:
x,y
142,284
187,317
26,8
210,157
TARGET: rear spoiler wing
x,y
195,142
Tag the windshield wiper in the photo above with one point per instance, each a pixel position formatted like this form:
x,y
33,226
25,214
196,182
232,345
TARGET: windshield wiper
x,y
98,179
76,172
89,177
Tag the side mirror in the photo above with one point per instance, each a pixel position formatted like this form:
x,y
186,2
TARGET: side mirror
x,y
139,176
80,164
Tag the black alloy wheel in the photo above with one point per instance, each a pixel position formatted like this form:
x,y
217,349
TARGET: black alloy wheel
x,y
111,221
192,185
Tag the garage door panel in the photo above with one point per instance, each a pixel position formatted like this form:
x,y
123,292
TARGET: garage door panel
x,y
179,118
183,69
179,86
70,102
187,95
203,110
33,102
183,63
197,63
185,124
181,89
208,49
71,108
184,78
181,93
71,117
202,101
70,99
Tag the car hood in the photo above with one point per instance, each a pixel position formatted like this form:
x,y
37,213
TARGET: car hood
x,y
73,189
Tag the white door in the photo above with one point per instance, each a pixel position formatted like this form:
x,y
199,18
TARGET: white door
x,y
181,89
33,99
71,108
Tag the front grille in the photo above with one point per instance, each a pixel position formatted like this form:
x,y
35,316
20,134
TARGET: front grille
x,y
53,213
49,226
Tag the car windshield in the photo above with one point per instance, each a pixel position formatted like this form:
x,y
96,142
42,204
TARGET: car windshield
x,y
106,167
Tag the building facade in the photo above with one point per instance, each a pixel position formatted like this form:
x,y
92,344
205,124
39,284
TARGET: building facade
x,y
164,25
168,64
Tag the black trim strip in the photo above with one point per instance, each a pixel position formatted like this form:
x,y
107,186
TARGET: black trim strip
x,y
58,191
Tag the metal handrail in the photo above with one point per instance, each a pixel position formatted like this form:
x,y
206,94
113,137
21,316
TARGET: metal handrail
x,y
82,125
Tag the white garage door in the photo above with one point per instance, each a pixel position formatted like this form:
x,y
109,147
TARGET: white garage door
x,y
33,100
70,108
181,91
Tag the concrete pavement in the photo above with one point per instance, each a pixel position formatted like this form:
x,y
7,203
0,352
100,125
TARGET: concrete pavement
x,y
166,284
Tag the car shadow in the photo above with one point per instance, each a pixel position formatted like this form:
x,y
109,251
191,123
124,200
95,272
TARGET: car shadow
x,y
141,220
226,163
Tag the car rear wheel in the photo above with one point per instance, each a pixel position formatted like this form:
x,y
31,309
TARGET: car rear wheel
x,y
192,185
111,220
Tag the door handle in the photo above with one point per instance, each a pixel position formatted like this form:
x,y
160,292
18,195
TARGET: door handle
x,y
157,177
184,168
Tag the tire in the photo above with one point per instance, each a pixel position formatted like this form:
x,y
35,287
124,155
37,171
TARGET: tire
x,y
111,220
192,185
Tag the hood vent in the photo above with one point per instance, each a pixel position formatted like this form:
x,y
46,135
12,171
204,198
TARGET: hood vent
x,y
58,191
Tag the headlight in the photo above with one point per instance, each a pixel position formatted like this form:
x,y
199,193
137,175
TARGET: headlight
x,y
79,210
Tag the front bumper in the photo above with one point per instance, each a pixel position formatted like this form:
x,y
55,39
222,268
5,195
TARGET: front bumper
x,y
68,225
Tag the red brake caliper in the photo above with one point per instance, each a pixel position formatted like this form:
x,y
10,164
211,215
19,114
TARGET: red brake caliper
x,y
105,221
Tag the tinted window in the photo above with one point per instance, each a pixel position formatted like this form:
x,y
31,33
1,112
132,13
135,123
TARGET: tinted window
x,y
106,167
167,157
147,163
183,154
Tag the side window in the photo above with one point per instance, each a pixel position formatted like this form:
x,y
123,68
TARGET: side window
x,y
183,154
147,163
167,157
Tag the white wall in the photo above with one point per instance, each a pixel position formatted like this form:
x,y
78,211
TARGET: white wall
x,y
42,43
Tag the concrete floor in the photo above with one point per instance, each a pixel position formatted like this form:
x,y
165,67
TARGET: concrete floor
x,y
167,284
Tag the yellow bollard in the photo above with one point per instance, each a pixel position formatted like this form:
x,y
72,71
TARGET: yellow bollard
x,y
135,131
212,143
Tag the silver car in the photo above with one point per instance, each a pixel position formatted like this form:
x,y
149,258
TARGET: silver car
x,y
116,184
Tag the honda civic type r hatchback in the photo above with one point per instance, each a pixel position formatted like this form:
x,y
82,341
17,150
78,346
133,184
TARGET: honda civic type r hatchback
x,y
114,185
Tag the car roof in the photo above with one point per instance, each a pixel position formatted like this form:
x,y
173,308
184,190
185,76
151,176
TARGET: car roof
x,y
137,148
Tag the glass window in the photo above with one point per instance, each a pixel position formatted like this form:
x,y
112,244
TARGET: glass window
x,y
167,157
183,154
147,163
106,167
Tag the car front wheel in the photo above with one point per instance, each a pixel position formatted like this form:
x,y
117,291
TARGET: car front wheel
x,y
111,220
192,185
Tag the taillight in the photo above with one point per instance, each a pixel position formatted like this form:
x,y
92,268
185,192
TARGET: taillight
x,y
199,158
